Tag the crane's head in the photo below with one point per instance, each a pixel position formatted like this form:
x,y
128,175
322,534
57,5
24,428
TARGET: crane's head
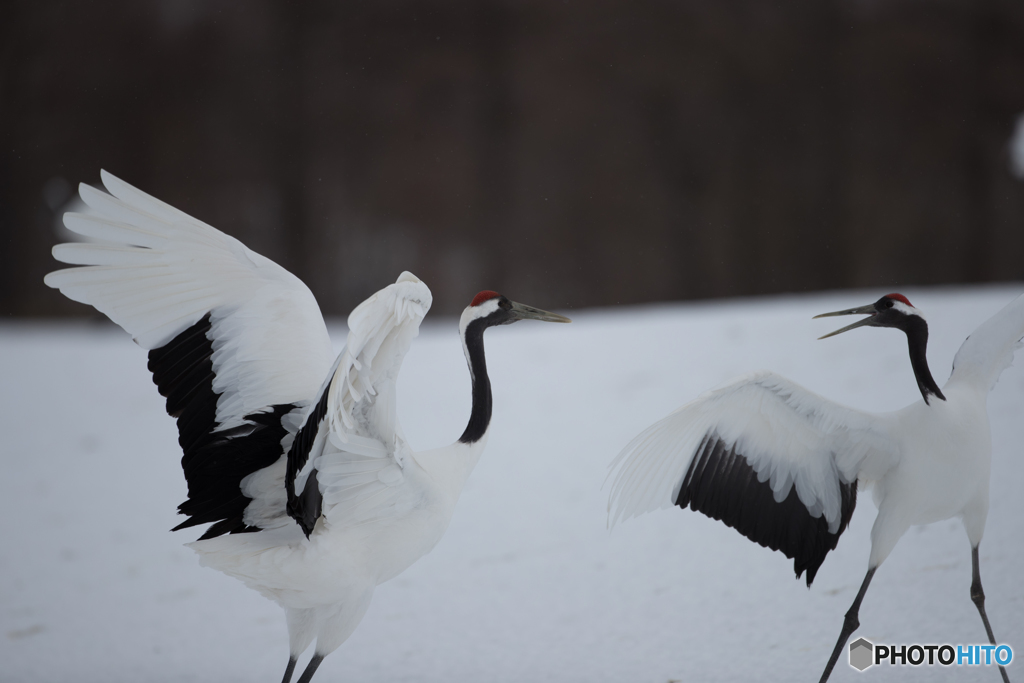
x,y
892,310
494,309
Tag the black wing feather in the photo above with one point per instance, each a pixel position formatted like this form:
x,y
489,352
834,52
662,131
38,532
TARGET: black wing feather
x,y
214,462
721,484
306,507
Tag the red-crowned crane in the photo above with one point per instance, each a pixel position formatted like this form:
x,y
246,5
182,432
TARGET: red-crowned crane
x,y
295,458
781,464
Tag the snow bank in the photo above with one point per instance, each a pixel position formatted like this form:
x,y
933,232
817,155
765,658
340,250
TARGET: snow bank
x,y
528,584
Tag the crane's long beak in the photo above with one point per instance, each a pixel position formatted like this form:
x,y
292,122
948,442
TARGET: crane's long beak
x,y
868,310
524,312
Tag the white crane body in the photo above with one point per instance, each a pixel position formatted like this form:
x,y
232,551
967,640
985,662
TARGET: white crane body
x,y
942,472
294,456
338,561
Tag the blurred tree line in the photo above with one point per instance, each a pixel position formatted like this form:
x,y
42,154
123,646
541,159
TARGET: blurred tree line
x,y
568,154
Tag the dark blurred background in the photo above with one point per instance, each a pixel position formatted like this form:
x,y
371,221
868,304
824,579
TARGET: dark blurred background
x,y
568,154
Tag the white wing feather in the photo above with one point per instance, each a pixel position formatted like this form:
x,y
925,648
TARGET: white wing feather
x,y
156,271
989,350
361,454
789,435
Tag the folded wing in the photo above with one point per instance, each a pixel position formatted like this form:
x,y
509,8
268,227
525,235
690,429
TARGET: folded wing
x,y
237,344
765,456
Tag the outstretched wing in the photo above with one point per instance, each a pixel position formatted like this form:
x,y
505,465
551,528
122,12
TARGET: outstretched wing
x,y
989,349
236,343
347,462
765,456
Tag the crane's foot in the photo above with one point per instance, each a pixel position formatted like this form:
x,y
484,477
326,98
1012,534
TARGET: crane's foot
x,y
978,598
850,624
307,675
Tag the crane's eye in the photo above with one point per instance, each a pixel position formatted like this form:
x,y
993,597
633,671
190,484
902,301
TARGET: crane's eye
x,y
887,303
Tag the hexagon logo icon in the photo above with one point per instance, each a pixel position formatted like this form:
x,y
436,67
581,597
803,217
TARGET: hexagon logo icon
x,y
862,654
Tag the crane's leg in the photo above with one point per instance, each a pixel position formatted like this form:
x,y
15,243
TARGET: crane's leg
x,y
301,629
850,624
289,670
307,675
978,597
335,625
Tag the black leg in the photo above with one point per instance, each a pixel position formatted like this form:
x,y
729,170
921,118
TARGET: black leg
x,y
850,624
307,675
978,597
289,670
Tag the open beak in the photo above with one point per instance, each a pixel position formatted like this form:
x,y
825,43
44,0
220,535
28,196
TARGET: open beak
x,y
868,310
524,312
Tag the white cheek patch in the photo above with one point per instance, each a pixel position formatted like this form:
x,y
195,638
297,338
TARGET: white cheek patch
x,y
481,311
486,308
472,313
907,310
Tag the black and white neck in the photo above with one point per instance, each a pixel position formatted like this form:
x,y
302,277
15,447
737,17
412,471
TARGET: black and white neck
x,y
912,322
895,310
488,309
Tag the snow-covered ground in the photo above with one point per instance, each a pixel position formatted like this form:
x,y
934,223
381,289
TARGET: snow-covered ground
x,y
528,584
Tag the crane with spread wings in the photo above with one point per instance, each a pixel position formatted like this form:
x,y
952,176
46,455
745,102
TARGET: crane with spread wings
x,y
294,458
782,465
